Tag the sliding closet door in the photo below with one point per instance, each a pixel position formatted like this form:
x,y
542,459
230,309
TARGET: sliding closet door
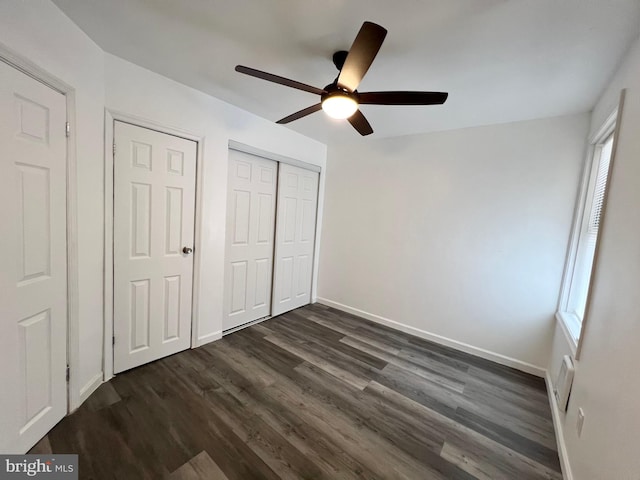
x,y
251,204
295,238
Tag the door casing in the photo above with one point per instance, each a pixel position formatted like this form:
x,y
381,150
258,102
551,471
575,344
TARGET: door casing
x,y
21,63
110,117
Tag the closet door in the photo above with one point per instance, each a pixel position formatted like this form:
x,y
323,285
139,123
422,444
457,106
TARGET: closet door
x,y
33,260
154,218
251,204
295,238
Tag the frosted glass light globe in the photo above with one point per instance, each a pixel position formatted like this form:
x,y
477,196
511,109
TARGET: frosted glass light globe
x,y
339,106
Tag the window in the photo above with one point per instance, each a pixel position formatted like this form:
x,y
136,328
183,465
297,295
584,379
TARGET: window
x,y
577,276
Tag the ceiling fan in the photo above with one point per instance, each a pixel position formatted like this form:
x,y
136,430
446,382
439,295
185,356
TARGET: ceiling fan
x,y
340,99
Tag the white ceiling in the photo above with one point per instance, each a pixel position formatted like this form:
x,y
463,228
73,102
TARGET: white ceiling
x,y
500,60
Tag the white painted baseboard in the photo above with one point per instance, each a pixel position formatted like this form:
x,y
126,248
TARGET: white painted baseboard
x,y
557,427
208,338
90,387
479,352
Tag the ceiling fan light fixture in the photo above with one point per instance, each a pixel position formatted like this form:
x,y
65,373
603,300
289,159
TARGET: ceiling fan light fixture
x,y
339,106
341,98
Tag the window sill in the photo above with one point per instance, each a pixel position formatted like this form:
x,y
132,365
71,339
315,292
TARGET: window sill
x,y
571,326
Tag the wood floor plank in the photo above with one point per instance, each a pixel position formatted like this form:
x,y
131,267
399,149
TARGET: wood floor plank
x,y
310,397
144,422
271,355
331,324
200,467
334,343
331,347
489,455
103,397
454,381
253,371
262,329
393,424
516,390
530,448
485,463
302,351
298,320
195,423
275,450
348,434
509,416
429,394
314,394
517,405
317,444
361,328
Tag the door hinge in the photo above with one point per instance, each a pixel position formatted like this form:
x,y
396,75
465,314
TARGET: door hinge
x,y
67,373
113,340
67,129
114,148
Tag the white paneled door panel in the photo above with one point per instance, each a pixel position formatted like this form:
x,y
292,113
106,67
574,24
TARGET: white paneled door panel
x,y
33,260
295,238
251,203
153,232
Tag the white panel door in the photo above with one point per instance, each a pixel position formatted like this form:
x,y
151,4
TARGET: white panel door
x,y
295,238
33,260
154,215
251,203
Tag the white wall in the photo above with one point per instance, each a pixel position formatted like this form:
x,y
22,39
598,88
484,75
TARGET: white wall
x,y
142,93
606,383
39,32
460,234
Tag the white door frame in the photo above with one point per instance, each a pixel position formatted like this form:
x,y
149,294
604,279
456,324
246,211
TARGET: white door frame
x,y
243,147
31,69
110,117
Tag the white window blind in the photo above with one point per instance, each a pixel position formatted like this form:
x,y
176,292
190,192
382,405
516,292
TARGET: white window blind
x,y
599,188
575,301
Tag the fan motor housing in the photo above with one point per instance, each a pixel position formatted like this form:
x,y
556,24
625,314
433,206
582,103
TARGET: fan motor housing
x,y
339,58
333,90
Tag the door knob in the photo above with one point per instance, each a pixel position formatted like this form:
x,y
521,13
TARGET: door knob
x,y
187,250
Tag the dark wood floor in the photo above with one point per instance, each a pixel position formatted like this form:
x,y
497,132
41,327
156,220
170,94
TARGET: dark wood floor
x,y
315,393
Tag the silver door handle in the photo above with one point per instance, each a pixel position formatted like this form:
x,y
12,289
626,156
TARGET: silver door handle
x,y
187,250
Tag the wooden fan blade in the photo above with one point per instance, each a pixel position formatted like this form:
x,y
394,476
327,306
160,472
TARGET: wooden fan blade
x,y
277,79
360,123
364,49
301,113
403,98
